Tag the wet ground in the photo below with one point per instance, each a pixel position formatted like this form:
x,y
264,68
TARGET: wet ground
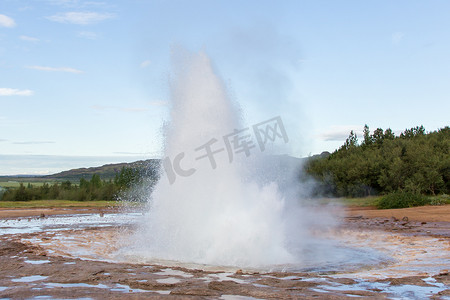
x,y
72,256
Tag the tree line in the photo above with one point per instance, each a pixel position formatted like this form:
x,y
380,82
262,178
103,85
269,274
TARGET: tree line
x,y
86,190
414,162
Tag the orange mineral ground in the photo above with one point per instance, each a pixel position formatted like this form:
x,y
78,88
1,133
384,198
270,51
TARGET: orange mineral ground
x,y
402,253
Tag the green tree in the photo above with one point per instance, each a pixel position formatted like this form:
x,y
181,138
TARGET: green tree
x,y
367,137
128,177
96,181
413,132
45,189
388,134
66,185
378,136
54,191
84,184
21,193
418,162
351,141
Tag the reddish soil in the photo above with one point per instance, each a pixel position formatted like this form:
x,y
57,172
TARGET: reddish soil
x,y
421,213
9,213
59,276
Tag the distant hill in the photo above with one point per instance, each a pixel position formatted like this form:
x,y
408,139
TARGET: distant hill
x,y
106,172
274,164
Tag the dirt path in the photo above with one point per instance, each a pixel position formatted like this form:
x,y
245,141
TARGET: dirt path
x,y
419,214
9,213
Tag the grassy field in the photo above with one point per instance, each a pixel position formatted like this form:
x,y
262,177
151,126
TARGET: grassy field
x,y
362,202
358,202
58,203
16,184
373,201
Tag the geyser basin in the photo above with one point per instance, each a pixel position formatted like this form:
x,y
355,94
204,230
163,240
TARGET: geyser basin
x,y
105,238
364,253
50,255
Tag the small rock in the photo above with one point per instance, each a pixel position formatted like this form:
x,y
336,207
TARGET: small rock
x,y
42,215
443,272
239,272
405,219
394,219
423,223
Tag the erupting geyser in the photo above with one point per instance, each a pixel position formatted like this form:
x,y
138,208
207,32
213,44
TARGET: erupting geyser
x,y
215,215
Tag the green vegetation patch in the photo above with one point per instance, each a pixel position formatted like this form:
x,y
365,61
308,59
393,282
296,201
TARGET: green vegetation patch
x,y
361,201
402,200
440,200
16,184
125,186
416,162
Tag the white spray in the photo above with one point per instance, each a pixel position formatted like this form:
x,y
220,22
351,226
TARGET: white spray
x,y
214,216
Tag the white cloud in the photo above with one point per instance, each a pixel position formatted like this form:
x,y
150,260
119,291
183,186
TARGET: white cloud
x,y
87,35
76,3
80,18
158,103
25,8
28,38
145,154
63,2
15,92
124,109
128,153
52,69
34,142
102,107
397,37
145,63
339,132
134,109
6,21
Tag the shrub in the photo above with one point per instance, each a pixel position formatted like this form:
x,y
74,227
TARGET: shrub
x,y
402,200
440,200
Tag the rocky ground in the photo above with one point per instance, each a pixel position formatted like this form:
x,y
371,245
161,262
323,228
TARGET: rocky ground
x,y
32,269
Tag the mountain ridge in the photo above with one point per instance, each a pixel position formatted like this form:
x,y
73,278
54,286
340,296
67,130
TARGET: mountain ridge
x,y
106,172
109,171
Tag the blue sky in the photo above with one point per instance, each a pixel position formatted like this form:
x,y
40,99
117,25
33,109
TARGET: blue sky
x,y
83,83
